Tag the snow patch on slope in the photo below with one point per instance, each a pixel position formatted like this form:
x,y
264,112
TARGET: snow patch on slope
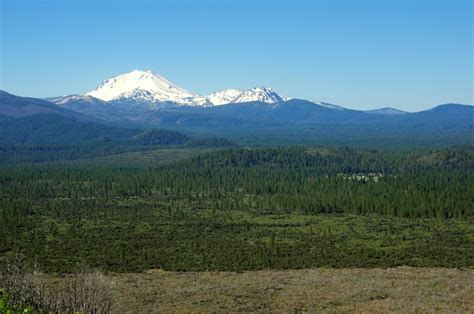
x,y
327,105
387,111
65,100
223,97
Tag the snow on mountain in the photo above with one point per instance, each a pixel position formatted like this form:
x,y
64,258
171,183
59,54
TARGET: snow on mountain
x,y
64,100
327,105
224,96
147,87
263,94
386,111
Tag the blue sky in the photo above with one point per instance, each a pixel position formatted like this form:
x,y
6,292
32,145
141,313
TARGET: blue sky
x,y
409,54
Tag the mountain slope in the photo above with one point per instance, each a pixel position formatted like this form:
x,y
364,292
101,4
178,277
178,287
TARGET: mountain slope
x,y
15,106
293,112
94,107
328,105
33,121
448,111
77,101
446,116
47,129
387,111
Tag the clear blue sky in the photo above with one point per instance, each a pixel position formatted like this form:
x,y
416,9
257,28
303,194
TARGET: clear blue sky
x,y
409,54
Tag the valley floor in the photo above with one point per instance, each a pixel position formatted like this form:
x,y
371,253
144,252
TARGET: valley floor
x,y
402,290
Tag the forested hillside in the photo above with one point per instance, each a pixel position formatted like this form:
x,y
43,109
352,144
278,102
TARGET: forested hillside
x,y
237,209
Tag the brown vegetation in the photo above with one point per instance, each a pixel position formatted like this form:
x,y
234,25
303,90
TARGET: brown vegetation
x,y
87,291
402,290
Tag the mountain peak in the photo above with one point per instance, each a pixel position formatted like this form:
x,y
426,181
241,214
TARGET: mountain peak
x,y
151,87
142,71
262,94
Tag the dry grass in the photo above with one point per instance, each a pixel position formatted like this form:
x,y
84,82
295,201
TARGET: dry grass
x,y
403,290
23,286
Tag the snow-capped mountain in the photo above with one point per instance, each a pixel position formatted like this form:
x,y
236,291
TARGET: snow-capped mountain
x,y
224,96
145,87
153,90
262,94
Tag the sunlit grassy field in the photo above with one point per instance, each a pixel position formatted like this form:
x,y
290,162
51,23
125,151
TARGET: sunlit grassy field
x,y
403,290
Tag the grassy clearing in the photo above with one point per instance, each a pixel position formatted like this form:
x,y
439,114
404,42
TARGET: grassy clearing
x,y
403,290
140,158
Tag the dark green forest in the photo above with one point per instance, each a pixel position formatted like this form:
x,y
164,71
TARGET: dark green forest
x,y
243,209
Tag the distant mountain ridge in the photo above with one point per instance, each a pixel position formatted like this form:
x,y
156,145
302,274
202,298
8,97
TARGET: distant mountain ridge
x,y
136,93
146,99
85,118
147,90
